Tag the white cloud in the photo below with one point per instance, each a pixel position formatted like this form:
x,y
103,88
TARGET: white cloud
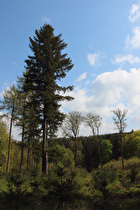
x,y
134,13
134,42
119,86
82,76
7,88
1,94
127,58
93,59
80,100
110,91
46,19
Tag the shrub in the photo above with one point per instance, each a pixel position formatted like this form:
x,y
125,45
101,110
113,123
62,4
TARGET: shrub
x,y
60,184
134,173
15,189
128,164
102,178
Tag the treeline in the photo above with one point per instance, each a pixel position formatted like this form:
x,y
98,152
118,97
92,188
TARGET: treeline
x,y
110,148
87,151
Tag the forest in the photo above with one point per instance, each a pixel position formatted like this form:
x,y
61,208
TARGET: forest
x,y
44,171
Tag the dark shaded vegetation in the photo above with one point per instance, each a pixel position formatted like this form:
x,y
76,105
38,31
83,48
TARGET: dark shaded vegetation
x,y
90,151
68,187
64,188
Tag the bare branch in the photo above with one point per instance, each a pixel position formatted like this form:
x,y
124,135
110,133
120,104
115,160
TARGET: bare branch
x,y
119,119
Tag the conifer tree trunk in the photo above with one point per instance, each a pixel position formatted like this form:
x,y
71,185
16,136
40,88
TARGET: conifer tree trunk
x,y
28,155
100,154
99,150
9,144
44,154
122,150
47,146
75,153
22,145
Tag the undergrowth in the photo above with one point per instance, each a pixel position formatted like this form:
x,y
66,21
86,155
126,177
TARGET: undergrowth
x,y
110,188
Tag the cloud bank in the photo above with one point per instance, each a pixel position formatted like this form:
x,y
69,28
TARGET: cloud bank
x,y
110,90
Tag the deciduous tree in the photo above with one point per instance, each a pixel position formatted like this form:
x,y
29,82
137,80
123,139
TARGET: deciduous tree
x,y
132,145
9,104
94,122
106,148
71,127
120,123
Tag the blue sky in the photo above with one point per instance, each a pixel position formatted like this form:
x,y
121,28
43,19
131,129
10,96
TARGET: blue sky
x,y
103,38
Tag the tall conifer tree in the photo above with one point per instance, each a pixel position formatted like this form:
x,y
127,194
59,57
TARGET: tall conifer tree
x,y
46,67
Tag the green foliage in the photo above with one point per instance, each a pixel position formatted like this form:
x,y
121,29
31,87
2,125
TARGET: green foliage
x,y
102,178
64,189
134,173
9,104
106,150
36,183
84,182
45,68
15,183
80,158
128,163
15,189
3,144
132,145
124,181
90,153
61,156
60,184
100,183
131,162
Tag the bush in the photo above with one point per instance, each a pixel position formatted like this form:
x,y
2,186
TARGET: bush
x,y
128,164
60,184
16,189
102,178
134,173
